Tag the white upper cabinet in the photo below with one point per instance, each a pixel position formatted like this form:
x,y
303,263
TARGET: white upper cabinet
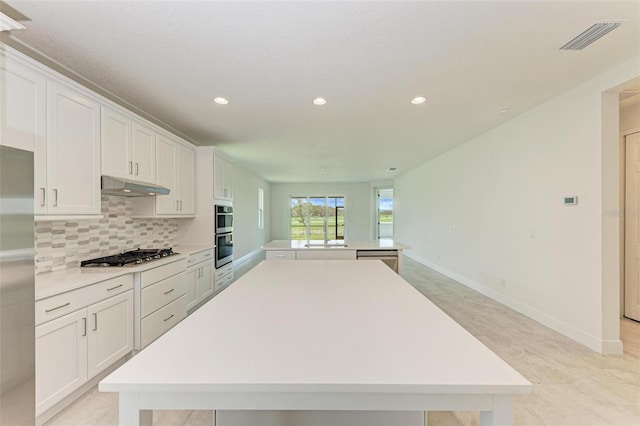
x,y
166,154
186,179
72,152
128,147
23,106
116,144
175,164
143,152
222,178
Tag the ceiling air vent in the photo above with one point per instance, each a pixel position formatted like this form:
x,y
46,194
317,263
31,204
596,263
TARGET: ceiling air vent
x,y
590,35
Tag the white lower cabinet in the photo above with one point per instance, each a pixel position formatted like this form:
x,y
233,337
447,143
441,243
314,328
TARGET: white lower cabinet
x,y
326,254
281,255
111,333
162,301
61,358
199,277
76,347
222,277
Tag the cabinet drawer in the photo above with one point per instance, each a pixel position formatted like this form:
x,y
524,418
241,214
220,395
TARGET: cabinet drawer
x,y
281,255
326,254
223,282
159,322
160,273
157,295
200,256
221,272
61,304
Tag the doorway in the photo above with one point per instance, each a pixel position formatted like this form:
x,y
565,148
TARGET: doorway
x,y
385,213
632,227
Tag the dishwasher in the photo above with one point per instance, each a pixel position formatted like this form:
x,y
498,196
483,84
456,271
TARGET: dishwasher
x,y
389,257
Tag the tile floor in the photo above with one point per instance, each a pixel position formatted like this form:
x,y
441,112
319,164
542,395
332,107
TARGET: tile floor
x,y
573,386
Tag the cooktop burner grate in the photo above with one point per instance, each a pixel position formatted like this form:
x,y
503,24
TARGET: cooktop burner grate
x,y
132,257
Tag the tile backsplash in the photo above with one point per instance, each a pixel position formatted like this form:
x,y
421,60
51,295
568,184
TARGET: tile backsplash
x,y
63,244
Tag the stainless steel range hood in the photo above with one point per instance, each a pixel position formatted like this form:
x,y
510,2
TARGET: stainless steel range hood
x,y
129,188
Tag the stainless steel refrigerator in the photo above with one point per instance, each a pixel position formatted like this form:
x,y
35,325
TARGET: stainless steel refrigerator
x,y
17,292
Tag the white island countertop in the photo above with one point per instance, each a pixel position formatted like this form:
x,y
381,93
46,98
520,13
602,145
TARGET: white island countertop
x,y
318,335
382,244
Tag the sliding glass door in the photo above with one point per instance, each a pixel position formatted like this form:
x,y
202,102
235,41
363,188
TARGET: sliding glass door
x,y
317,218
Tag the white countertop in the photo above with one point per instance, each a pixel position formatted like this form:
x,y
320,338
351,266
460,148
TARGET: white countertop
x,y
53,283
318,326
382,244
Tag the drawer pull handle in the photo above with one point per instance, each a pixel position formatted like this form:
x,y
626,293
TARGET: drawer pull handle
x,y
208,254
57,307
113,288
169,318
84,320
281,256
44,195
167,292
95,322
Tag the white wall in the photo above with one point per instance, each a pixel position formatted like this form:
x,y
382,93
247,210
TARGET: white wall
x,y
489,213
357,206
246,235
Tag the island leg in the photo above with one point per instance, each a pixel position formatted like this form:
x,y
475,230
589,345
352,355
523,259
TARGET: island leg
x,y
502,413
130,412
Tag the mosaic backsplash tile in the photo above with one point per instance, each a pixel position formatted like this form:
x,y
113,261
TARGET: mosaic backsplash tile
x,y
61,245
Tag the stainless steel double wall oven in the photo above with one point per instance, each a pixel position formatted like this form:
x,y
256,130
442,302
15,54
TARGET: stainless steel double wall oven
x,y
224,235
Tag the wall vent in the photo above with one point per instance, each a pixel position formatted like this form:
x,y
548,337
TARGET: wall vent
x,y
590,35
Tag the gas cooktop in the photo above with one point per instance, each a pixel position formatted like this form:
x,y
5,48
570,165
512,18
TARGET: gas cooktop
x,y
133,257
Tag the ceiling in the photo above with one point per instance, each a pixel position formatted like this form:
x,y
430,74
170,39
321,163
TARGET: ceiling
x,y
367,58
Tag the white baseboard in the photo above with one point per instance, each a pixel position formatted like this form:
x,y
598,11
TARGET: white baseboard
x,y
612,347
246,258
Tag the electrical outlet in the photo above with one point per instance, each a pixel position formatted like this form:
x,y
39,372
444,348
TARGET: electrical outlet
x,y
503,282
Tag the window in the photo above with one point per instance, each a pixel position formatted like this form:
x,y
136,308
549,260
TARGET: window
x,y
385,213
260,208
317,218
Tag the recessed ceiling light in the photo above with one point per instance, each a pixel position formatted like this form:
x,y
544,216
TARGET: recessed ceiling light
x,y
418,100
8,24
319,101
221,101
503,110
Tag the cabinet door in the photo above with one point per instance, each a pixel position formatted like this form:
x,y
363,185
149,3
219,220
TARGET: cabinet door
x,y
166,175
228,180
110,333
116,144
73,151
192,287
22,106
61,358
144,153
218,177
186,178
23,109
205,282
222,178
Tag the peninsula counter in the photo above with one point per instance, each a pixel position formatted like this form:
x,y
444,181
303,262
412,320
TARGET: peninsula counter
x,y
388,251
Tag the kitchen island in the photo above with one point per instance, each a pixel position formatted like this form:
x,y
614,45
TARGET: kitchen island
x,y
333,338
386,250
